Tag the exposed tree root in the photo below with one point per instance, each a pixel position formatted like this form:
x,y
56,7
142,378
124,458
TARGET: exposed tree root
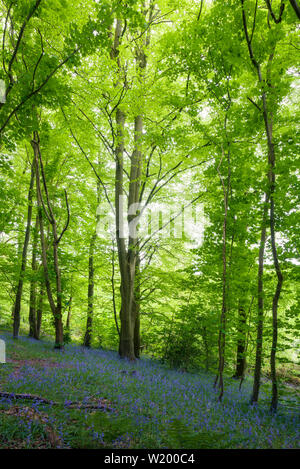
x,y
70,405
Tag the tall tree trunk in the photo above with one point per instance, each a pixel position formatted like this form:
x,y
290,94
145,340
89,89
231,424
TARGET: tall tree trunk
x,y
59,334
32,300
126,345
129,307
268,121
19,289
260,305
128,256
276,296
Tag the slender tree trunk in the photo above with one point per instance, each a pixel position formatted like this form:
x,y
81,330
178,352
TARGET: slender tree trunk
x,y
136,306
89,322
272,159
32,301
113,289
223,318
59,333
268,121
67,330
206,347
90,309
274,401
68,321
55,311
222,332
20,244
19,289
137,330
39,312
56,307
260,305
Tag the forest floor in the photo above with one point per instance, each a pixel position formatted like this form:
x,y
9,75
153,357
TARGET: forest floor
x,y
141,405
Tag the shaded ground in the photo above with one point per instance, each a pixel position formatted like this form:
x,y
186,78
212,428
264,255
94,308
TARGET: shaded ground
x,y
152,406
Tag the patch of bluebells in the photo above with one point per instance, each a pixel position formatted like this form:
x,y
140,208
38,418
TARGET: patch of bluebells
x,y
152,396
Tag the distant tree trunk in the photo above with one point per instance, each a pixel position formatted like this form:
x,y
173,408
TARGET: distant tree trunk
x,y
241,343
20,245
206,347
113,289
32,301
39,312
137,330
68,321
67,331
91,283
136,307
89,322
19,289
